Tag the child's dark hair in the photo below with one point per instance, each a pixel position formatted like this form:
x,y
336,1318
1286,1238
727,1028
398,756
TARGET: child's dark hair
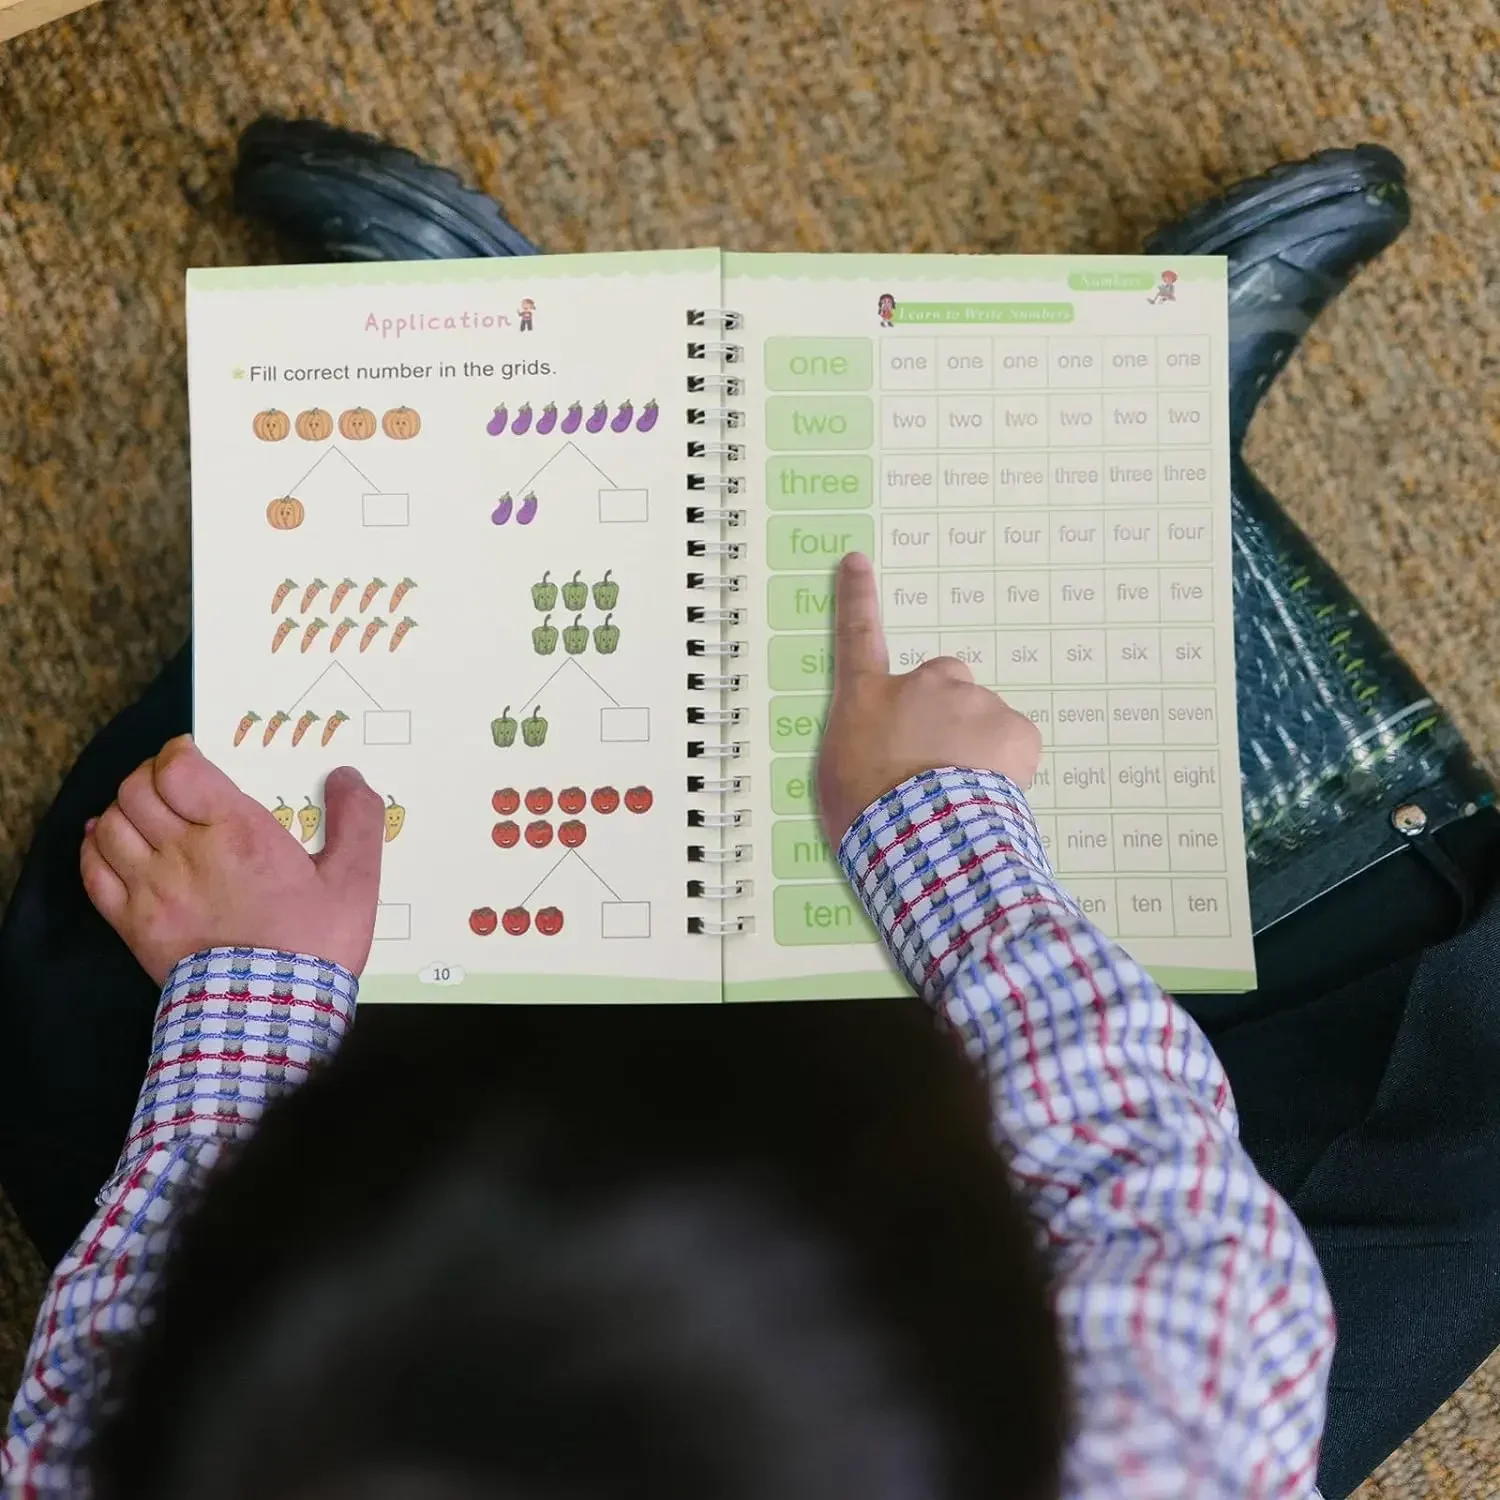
x,y
748,1254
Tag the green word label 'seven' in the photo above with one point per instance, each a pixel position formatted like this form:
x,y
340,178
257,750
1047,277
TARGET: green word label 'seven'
x,y
797,723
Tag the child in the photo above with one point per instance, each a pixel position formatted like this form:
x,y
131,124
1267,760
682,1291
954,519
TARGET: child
x,y
677,1261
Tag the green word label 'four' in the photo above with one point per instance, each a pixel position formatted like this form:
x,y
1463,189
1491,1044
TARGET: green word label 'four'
x,y
817,541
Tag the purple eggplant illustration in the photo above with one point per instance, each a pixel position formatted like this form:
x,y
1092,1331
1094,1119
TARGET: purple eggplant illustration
x,y
647,419
548,419
522,422
623,418
574,418
597,420
496,424
503,507
527,513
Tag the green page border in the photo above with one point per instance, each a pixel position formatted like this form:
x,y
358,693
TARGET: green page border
x,y
874,984
909,268
539,989
454,272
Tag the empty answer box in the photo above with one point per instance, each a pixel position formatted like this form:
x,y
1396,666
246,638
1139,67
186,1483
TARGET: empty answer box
x,y
386,509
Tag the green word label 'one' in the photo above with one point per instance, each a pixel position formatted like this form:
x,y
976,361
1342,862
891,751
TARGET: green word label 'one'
x,y
819,364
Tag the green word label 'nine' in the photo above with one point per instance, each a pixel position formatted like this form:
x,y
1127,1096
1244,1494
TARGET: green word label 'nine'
x,y
820,481
813,422
819,364
800,852
817,541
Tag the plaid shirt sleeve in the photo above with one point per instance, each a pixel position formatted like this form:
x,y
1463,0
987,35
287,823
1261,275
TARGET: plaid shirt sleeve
x,y
1195,1319
237,1027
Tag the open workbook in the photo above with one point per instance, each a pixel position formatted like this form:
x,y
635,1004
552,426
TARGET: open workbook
x,y
545,546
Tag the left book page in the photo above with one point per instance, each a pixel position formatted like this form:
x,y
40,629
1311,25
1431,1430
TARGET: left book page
x,y
440,533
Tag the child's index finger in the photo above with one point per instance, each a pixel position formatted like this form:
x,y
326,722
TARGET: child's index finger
x,y
858,637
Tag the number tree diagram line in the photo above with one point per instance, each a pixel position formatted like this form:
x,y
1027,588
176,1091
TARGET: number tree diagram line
x,y
572,661
571,854
335,667
526,484
334,452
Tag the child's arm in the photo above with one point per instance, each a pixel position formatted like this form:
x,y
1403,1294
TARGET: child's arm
x,y
235,1029
1198,1329
184,863
1195,1319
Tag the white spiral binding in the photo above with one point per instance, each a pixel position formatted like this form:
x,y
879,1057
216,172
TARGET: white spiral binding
x,y
717,519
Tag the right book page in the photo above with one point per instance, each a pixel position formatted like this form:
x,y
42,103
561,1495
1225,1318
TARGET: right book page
x,y
1034,451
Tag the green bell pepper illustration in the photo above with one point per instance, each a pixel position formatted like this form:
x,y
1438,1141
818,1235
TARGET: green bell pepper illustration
x,y
576,637
606,592
575,594
544,594
606,637
534,728
503,729
544,638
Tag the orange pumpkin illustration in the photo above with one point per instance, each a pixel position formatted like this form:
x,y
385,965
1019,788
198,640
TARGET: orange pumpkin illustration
x,y
401,422
271,426
314,425
357,423
286,513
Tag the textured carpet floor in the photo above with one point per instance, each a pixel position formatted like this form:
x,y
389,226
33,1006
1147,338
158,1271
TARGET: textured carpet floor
x,y
798,124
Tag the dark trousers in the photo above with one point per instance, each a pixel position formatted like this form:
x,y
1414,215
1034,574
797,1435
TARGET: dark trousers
x,y
1373,1105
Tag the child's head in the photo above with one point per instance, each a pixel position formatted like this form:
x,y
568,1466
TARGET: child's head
x,y
762,1254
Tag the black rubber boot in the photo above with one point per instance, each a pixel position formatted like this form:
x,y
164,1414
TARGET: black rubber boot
x,y
340,195
1345,758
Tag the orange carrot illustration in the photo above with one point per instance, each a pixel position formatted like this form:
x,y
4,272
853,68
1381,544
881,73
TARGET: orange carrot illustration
x,y
305,723
283,630
310,593
332,722
399,633
339,595
311,633
400,592
372,588
282,590
272,725
243,727
340,631
371,630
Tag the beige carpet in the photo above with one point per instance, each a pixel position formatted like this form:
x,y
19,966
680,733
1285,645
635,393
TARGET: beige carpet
x,y
793,124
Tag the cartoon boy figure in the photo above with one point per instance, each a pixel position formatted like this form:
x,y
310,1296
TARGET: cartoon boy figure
x,y
1167,291
886,307
528,307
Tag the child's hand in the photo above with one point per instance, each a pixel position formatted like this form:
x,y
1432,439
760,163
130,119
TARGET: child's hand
x,y
183,860
882,729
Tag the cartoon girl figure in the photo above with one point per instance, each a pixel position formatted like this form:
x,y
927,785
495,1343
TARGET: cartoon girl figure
x,y
1167,291
886,307
528,307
